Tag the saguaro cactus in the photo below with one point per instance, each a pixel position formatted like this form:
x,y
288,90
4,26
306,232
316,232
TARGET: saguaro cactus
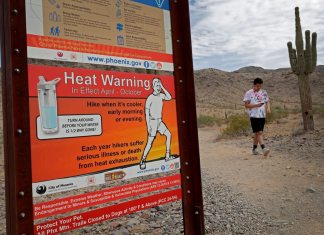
x,y
303,63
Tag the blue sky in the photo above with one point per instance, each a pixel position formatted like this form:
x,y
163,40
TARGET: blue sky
x,y
230,34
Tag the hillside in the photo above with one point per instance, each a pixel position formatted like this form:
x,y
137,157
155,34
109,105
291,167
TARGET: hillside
x,y
218,91
287,188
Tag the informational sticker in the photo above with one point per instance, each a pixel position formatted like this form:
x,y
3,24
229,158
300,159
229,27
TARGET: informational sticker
x,y
105,177
111,125
99,215
63,205
73,126
122,33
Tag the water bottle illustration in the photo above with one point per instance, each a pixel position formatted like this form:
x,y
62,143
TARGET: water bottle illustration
x,y
48,104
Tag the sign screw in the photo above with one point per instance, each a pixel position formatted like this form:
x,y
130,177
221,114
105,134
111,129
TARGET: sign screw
x,y
22,215
188,191
196,212
17,70
19,131
179,67
16,50
187,177
21,193
187,163
15,12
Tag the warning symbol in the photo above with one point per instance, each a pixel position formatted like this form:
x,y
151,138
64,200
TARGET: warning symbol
x,y
159,2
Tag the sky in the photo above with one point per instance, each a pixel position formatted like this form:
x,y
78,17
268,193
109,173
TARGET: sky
x,y
230,34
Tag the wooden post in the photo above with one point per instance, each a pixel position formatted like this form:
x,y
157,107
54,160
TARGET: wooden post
x,y
187,119
19,210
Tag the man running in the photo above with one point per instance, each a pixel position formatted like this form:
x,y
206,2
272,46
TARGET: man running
x,y
256,100
154,122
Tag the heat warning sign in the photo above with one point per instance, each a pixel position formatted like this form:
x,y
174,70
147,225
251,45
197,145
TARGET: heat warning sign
x,y
99,121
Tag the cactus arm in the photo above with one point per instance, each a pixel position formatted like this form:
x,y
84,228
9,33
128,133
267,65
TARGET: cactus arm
x,y
314,51
302,62
299,43
308,53
292,58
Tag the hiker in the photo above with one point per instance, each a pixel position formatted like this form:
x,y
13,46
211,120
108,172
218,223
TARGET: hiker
x,y
257,102
154,122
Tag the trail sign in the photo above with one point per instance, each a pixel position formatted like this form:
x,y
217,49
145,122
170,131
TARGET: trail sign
x,y
99,113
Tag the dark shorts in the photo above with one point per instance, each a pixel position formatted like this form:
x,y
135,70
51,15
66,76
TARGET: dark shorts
x,y
257,124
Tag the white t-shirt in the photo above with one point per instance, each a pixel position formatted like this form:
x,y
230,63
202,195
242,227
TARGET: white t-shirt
x,y
154,104
257,97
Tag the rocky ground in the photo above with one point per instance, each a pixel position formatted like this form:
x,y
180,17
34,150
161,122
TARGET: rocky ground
x,y
227,211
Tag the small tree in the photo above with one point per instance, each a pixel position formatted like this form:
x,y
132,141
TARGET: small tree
x,y
303,63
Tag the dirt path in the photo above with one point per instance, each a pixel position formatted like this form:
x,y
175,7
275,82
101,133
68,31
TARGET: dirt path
x,y
289,186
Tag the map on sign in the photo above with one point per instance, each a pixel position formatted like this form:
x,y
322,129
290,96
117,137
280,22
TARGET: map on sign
x,y
123,33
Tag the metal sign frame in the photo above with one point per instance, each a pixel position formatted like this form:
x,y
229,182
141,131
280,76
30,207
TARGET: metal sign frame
x,y
19,201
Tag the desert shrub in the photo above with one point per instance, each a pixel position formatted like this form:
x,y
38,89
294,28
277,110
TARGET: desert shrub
x,y
277,113
294,111
238,124
319,110
207,120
